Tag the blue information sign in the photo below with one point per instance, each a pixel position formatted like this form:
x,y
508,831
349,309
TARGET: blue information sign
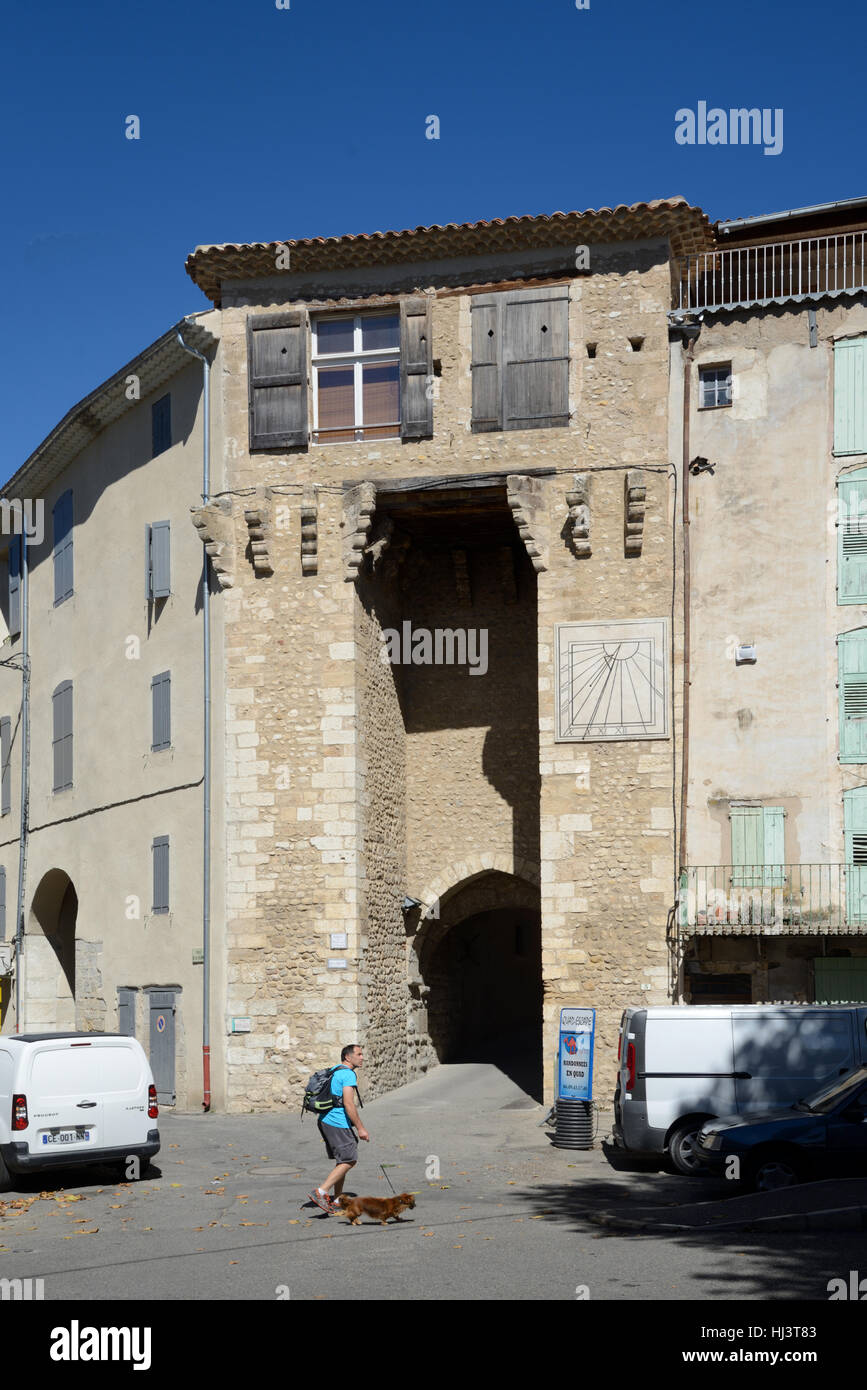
x,y
575,1056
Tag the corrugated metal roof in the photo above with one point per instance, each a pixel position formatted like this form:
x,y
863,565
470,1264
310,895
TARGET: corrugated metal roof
x,y
687,228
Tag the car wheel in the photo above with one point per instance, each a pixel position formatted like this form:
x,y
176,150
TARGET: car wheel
x,y
772,1171
683,1148
5,1176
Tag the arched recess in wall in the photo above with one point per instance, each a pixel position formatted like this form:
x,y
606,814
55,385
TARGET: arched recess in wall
x,y
50,953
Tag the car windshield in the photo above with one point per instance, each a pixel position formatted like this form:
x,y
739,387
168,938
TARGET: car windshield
x,y
820,1102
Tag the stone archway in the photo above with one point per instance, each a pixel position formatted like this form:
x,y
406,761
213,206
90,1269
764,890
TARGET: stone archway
x,y
475,974
49,955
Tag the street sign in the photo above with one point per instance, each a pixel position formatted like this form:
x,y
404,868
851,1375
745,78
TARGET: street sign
x,y
575,1056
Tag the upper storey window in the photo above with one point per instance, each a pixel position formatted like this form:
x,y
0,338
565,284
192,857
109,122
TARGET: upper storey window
x,y
521,359
356,378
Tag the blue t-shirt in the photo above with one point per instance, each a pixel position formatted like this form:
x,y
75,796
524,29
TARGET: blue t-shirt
x,y
344,1076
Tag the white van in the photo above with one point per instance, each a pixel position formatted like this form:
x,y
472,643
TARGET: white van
x,y
683,1064
70,1098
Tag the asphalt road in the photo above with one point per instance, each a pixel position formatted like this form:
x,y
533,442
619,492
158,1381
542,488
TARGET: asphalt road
x,y
500,1214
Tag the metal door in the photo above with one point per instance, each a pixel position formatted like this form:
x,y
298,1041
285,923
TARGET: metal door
x,y
162,1040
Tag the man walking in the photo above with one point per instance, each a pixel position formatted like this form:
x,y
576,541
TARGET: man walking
x,y
336,1128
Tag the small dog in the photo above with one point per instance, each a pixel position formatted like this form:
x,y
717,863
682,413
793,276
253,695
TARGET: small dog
x,y
382,1208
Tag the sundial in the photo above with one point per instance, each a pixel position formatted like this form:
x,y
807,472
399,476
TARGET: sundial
x,y
612,680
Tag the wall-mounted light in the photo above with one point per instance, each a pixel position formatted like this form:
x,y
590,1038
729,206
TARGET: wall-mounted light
x,y
746,655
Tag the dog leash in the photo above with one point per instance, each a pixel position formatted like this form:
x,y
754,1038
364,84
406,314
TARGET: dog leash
x,y
387,1178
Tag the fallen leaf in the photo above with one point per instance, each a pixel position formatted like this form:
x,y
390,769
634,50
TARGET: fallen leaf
x,y
252,1223
233,1262
174,1184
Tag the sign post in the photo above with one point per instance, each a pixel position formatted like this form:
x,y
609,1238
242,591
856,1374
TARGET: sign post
x,y
575,1079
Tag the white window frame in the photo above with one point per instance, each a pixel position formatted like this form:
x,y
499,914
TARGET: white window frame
x,y
716,367
357,359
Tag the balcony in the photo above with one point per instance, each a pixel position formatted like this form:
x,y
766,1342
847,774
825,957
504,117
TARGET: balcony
x,y
773,900
742,276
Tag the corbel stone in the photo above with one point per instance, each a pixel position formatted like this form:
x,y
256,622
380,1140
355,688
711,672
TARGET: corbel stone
x,y
258,519
359,505
463,591
579,515
380,540
215,523
635,497
309,532
526,499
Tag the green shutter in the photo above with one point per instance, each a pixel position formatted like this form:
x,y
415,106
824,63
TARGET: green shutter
x,y
855,830
840,981
852,695
748,845
850,396
774,819
852,537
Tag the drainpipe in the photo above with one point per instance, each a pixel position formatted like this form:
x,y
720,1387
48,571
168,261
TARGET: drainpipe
x,y
690,332
25,783
206,786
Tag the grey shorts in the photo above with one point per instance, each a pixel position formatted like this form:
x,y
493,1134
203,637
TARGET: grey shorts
x,y
341,1144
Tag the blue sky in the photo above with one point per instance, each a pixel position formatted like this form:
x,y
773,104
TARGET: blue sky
x,y
267,124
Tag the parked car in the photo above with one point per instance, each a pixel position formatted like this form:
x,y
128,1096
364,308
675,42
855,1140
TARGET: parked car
x,y
824,1135
70,1098
682,1065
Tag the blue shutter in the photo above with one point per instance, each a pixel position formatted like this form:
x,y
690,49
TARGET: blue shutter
x,y
852,695
852,537
2,903
161,425
63,548
774,819
161,873
850,396
161,703
5,767
855,830
62,742
15,586
160,562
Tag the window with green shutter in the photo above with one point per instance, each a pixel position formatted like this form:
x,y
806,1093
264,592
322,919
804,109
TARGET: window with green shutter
x,y
758,846
855,835
850,396
852,695
852,537
520,363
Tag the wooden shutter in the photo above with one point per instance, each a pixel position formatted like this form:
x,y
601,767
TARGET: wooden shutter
x,y
852,537
15,586
277,380
2,903
748,845
159,571
5,766
774,846
535,361
852,695
161,697
416,365
161,873
126,1012
62,742
850,396
855,833
161,425
63,548
487,396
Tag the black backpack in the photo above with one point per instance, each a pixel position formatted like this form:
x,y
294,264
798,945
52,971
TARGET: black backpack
x,y
318,1098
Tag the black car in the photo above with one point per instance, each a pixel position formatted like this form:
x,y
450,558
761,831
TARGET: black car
x,y
822,1136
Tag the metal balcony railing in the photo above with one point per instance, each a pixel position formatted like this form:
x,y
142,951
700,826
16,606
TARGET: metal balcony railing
x,y
773,899
743,275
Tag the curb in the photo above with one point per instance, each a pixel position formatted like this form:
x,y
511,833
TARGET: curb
x,y
834,1219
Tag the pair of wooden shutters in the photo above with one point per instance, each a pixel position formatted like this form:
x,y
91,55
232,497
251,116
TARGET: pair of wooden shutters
x,y
63,548
277,376
520,359
161,709
158,553
852,695
855,832
852,537
850,396
62,741
161,874
758,853
5,766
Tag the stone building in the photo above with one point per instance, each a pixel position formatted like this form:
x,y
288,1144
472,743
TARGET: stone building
x,y
447,435
774,904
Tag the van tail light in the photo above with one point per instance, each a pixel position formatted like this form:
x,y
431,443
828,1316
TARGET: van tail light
x,y
153,1108
19,1112
619,1046
630,1066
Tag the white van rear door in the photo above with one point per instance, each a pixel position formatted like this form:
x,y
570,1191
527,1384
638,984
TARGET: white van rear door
x,y
125,1078
688,1066
783,1056
64,1098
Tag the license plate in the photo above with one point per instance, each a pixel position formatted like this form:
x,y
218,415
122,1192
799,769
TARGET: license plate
x,y
66,1136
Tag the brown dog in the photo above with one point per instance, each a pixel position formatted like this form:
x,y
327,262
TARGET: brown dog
x,y
382,1208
